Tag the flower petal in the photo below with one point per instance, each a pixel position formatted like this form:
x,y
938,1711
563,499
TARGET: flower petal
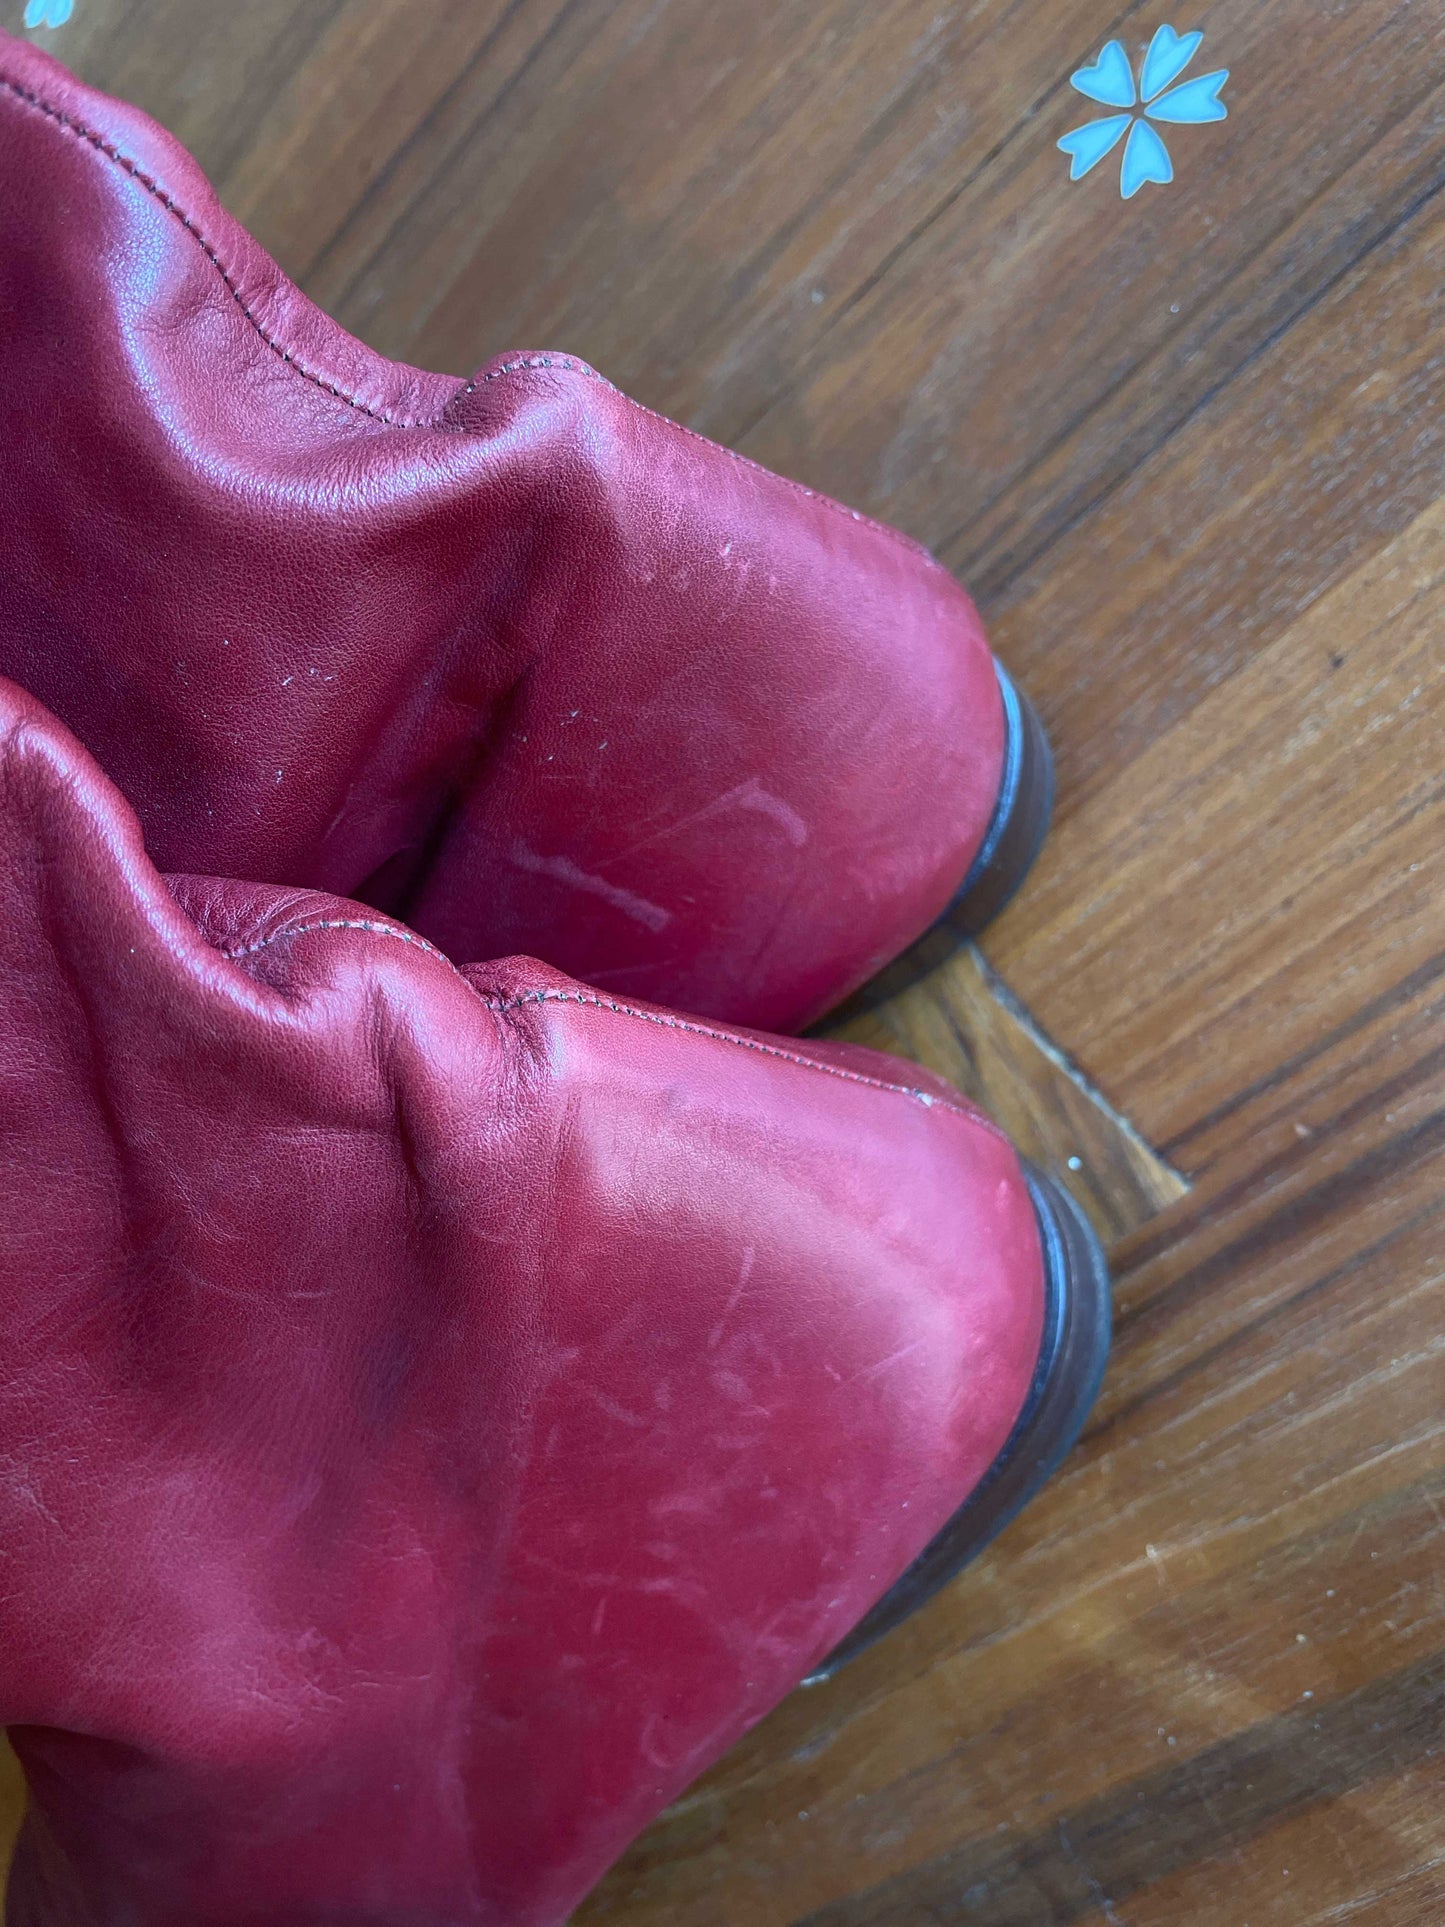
x,y
35,12
1110,80
1169,54
1146,158
1197,100
1089,144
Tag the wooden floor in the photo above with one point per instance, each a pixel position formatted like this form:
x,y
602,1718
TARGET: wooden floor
x,y
1189,450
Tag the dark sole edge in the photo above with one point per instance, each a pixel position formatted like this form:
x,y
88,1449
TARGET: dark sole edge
x,y
1020,819
1078,1316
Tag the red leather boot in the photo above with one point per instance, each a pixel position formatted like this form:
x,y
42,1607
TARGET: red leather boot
x,y
442,1410
514,658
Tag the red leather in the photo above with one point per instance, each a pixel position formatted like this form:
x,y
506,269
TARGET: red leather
x,y
441,1410
515,658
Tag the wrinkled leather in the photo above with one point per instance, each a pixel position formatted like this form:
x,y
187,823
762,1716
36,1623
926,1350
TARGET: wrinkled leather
x,y
441,1410
515,658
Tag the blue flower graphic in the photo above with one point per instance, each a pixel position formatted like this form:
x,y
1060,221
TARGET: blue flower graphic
x,y
1110,81
48,13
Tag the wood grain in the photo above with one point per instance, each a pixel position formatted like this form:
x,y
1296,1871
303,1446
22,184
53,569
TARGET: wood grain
x,y
1190,452
1303,809
943,1006
12,1802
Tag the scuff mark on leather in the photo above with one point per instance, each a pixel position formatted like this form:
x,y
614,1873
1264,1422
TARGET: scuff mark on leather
x,y
562,869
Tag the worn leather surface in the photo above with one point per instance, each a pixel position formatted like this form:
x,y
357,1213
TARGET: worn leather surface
x,y
440,1410
515,658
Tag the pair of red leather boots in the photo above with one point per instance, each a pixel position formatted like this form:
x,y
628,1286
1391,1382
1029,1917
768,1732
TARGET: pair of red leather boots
x,y
444,1402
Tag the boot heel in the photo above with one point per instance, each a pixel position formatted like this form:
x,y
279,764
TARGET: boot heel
x,y
1078,1311
1020,816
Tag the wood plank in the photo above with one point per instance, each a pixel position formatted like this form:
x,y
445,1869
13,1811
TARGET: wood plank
x,y
204,71
1218,333
1027,299
1266,867
354,143
1331,441
729,180
1084,1867
1386,1870
942,1006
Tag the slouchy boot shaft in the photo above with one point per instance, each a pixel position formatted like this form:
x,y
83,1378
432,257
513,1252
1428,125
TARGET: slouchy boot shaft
x,y
441,1410
515,657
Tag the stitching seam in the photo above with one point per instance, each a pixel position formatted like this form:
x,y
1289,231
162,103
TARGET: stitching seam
x,y
346,923
592,1001
567,364
153,187
503,1006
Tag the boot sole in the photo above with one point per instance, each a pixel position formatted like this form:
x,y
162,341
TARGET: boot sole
x,y
1020,817
1077,1319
